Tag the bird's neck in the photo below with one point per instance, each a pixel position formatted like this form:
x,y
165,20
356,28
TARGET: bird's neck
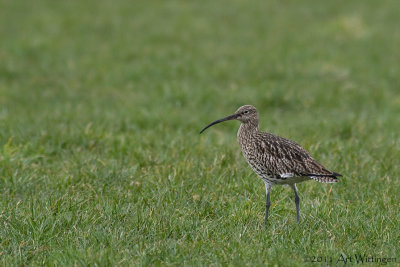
x,y
247,128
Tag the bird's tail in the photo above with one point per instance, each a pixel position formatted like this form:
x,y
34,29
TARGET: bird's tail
x,y
333,178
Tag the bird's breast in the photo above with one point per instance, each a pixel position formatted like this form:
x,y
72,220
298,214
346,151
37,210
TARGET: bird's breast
x,y
249,151
255,152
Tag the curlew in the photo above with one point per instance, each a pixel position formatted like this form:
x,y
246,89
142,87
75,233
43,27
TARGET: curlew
x,y
276,160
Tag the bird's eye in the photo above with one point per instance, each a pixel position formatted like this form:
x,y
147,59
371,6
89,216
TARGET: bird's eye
x,y
245,112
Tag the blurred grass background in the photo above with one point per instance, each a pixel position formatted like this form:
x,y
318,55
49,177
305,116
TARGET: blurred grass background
x,y
101,104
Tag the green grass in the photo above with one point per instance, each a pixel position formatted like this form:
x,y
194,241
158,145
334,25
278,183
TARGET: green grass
x,y
101,104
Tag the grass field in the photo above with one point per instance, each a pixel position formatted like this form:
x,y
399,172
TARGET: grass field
x,y
101,104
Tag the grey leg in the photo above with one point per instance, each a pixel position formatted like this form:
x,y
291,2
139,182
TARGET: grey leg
x,y
297,201
268,203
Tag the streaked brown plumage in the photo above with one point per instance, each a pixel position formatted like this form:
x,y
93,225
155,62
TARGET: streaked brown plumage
x,y
276,160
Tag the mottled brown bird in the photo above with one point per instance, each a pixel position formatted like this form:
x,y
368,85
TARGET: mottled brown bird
x,y
276,160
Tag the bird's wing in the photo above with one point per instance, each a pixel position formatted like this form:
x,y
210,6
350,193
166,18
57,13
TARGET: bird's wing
x,y
286,158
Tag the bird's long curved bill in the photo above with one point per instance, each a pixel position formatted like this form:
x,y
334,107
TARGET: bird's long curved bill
x,y
231,117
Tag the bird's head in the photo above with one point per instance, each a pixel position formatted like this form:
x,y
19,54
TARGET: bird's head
x,y
245,114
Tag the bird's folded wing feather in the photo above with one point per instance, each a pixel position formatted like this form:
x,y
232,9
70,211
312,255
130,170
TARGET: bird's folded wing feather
x,y
286,158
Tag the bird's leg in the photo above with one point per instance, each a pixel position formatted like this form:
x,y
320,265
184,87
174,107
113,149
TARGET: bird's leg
x,y
268,203
297,201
